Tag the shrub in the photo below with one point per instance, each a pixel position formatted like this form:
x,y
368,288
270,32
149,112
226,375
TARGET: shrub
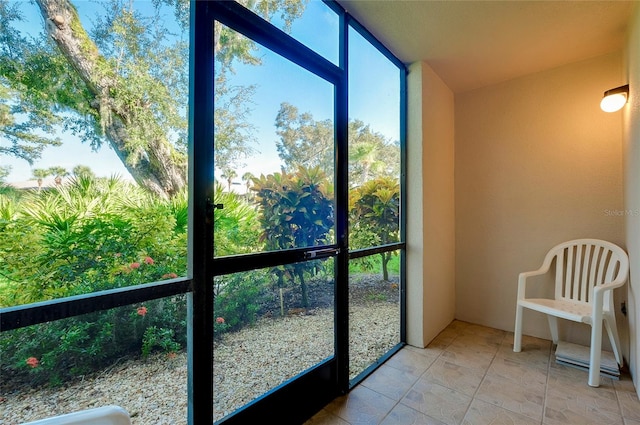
x,y
93,234
57,351
236,226
296,211
375,216
237,299
86,236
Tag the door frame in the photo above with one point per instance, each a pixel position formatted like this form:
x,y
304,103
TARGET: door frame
x,y
295,400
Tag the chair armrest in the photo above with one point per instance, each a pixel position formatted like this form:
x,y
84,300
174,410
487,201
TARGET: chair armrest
x,y
611,285
598,295
522,279
598,291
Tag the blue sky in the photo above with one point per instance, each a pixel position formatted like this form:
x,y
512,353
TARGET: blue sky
x,y
374,93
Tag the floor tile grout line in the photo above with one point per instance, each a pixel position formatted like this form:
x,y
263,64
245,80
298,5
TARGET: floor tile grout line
x,y
475,393
415,382
615,390
546,385
424,372
399,401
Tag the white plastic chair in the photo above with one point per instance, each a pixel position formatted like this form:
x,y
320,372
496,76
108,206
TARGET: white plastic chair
x,y
586,272
107,415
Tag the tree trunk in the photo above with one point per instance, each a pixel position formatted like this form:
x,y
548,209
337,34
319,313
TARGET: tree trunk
x,y
160,169
304,289
385,260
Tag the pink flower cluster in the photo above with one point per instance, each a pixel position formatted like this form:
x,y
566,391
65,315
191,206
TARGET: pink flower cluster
x,y
33,362
142,311
136,265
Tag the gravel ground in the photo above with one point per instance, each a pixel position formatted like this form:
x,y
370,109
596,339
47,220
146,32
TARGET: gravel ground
x,y
153,390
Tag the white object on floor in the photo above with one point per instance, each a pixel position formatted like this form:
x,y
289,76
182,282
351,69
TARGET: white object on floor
x,y
578,356
107,415
586,272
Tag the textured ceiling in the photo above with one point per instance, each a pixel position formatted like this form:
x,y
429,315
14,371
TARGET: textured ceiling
x,y
472,44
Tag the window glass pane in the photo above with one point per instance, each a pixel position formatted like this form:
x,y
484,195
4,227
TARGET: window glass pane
x,y
103,202
374,145
374,309
132,356
271,324
312,23
273,153
374,202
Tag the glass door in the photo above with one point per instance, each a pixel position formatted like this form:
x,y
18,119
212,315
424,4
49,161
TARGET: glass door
x,y
275,233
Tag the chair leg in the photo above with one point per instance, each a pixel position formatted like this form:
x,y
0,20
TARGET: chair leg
x,y
595,355
517,332
612,331
553,327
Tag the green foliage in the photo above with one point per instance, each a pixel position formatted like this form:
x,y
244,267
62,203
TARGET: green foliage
x,y
374,262
236,226
237,299
83,171
59,173
155,337
5,170
305,142
126,84
76,346
89,235
371,155
234,134
375,216
296,211
40,174
26,127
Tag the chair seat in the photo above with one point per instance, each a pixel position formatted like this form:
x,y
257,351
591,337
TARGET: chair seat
x,y
577,312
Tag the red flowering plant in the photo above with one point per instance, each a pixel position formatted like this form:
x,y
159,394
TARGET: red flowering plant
x,y
220,326
32,362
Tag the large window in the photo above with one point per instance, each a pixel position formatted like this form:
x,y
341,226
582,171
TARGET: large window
x,y
200,209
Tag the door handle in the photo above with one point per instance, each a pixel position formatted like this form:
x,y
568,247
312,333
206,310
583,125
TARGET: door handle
x,y
321,253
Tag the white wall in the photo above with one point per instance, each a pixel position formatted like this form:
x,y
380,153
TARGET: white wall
x,y
632,188
430,206
536,163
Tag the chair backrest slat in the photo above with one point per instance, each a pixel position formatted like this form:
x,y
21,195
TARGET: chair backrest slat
x,y
604,258
575,284
593,273
569,270
560,286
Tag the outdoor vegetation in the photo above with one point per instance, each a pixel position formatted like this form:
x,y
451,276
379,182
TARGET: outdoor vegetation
x,y
93,234
123,82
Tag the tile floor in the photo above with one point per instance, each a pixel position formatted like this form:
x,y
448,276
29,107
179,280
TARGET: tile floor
x,y
470,375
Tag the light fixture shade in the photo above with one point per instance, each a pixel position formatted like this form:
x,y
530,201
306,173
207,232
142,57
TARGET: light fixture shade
x,y
614,99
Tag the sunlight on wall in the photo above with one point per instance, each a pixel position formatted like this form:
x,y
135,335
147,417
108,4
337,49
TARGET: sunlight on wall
x,y
537,163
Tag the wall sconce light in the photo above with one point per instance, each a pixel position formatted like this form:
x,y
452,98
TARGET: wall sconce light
x,y
615,99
